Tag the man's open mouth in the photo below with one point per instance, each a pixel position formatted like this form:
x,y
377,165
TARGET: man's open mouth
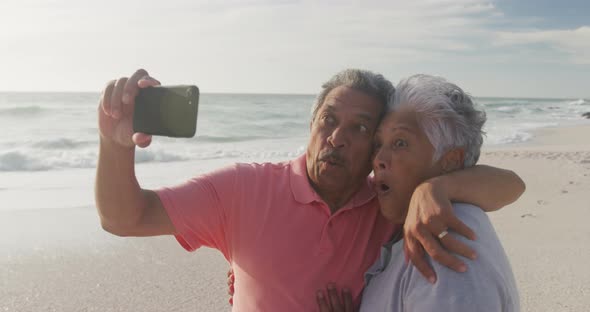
x,y
332,161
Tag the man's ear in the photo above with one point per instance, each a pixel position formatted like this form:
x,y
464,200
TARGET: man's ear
x,y
453,160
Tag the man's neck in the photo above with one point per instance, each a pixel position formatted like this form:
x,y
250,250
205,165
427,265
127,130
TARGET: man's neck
x,y
336,199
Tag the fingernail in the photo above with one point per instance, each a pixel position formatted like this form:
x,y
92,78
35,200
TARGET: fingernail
x,y
331,286
126,98
346,290
462,268
432,280
320,295
473,256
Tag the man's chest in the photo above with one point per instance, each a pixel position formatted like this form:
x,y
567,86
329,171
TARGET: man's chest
x,y
306,244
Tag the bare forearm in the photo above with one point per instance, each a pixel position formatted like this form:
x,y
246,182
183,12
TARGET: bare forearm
x,y
117,193
487,187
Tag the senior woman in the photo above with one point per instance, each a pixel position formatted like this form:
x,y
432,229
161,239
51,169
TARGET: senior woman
x,y
431,128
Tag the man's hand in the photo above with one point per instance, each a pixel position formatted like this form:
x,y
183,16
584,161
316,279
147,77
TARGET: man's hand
x,y
115,111
230,285
333,302
431,213
330,303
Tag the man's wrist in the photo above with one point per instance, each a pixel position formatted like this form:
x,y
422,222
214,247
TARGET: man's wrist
x,y
442,184
114,147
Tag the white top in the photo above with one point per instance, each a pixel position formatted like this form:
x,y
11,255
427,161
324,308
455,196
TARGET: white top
x,y
488,284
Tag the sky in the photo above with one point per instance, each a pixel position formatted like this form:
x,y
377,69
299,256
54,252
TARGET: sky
x,y
503,48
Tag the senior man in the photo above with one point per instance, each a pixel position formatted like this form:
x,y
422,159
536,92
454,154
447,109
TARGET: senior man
x,y
286,228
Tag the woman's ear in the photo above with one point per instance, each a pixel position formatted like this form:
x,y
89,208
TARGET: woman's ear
x,y
453,159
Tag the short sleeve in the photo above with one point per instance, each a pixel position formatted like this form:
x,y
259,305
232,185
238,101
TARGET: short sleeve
x,y
200,208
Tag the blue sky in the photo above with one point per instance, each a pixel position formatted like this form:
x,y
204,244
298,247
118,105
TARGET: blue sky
x,y
502,48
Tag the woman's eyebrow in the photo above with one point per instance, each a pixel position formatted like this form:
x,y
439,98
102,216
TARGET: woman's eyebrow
x,y
404,128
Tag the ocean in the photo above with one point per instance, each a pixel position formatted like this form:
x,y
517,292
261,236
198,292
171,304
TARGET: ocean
x,y
49,141
56,131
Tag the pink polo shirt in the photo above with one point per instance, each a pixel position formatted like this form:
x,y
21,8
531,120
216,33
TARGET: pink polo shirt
x,y
277,233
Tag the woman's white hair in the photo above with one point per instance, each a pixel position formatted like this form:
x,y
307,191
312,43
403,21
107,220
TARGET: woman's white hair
x,y
445,113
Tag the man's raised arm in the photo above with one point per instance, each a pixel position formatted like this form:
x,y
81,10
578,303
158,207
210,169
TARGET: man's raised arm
x,y
430,214
124,208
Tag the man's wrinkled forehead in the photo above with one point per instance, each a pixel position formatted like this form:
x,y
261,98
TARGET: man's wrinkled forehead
x,y
335,109
346,98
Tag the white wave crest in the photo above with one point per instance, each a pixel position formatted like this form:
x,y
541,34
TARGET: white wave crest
x,y
578,102
146,155
17,161
61,143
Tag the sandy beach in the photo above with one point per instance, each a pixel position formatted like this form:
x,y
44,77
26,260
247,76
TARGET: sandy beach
x,y
59,259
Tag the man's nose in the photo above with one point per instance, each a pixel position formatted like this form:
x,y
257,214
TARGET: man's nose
x,y
337,138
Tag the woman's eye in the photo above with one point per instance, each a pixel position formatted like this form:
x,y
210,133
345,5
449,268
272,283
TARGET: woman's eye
x,y
400,143
363,129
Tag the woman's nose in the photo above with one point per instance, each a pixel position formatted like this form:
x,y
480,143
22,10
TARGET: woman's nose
x,y
379,161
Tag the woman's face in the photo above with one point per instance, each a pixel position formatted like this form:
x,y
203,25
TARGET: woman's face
x,y
402,160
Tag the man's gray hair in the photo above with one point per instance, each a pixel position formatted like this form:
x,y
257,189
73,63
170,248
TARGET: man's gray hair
x,y
446,114
365,81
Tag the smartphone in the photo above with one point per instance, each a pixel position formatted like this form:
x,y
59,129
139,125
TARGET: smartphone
x,y
167,111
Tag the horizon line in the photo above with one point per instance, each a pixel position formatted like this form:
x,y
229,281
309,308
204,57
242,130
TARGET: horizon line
x,y
304,94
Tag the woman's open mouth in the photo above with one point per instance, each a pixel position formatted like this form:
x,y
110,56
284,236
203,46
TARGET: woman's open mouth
x,y
382,188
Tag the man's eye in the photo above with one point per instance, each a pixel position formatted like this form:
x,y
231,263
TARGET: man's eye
x,y
329,120
363,129
400,143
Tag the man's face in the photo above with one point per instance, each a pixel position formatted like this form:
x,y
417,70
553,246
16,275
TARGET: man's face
x,y
403,160
340,146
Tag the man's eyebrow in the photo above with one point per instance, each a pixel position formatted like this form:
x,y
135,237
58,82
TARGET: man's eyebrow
x,y
365,116
330,107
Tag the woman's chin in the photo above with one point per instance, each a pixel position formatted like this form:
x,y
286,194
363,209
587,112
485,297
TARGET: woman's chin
x,y
392,211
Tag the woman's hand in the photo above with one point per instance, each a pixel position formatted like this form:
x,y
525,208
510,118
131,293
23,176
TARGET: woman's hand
x,y
430,216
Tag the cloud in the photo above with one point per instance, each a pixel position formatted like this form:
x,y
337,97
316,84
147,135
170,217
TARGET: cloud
x,y
574,42
402,30
282,44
